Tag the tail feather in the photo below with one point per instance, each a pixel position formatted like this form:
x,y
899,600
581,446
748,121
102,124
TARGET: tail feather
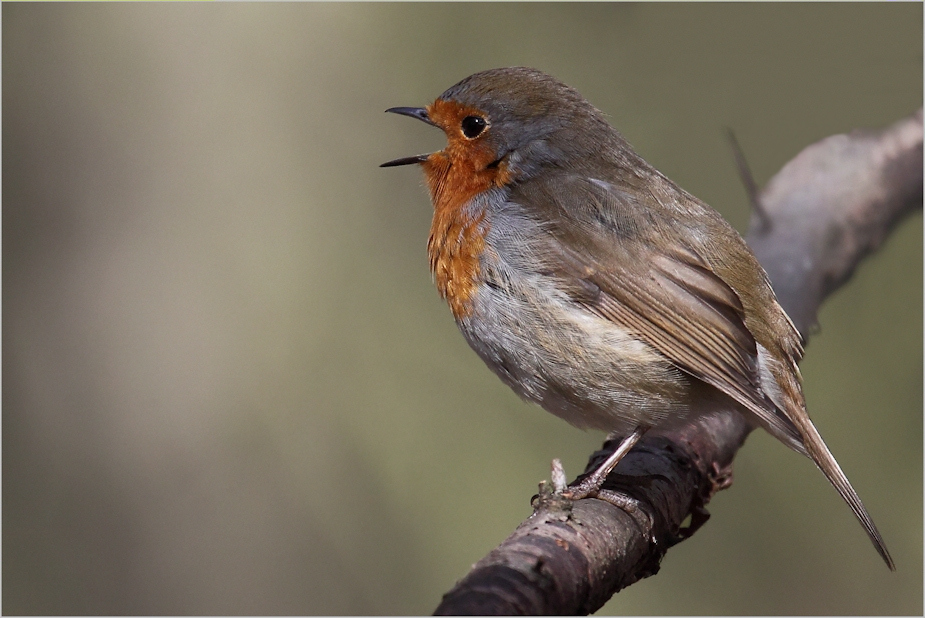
x,y
825,461
792,426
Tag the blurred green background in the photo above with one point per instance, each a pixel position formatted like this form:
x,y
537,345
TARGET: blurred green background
x,y
230,387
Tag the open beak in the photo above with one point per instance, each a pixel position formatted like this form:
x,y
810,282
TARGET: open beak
x,y
415,112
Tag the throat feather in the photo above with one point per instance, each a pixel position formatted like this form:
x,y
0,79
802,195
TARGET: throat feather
x,y
457,233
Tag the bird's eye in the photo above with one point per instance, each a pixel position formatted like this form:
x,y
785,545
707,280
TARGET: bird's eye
x,y
472,126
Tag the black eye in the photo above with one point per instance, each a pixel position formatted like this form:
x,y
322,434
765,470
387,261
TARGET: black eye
x,y
472,126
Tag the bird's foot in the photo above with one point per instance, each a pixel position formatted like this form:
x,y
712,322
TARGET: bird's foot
x,y
591,486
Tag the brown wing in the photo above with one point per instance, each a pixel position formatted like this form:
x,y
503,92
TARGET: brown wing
x,y
668,268
620,267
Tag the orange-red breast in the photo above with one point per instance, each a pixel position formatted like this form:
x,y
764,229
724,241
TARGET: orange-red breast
x,y
594,286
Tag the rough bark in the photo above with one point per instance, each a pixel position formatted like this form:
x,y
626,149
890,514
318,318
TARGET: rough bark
x,y
820,215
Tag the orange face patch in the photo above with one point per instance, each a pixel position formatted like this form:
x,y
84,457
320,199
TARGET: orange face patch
x,y
455,175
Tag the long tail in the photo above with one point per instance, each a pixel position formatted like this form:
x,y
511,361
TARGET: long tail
x,y
824,459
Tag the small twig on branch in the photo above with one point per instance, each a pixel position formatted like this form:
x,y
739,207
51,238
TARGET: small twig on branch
x,y
830,206
760,221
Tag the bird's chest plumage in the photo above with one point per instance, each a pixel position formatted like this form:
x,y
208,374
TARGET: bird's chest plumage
x,y
455,246
550,350
460,187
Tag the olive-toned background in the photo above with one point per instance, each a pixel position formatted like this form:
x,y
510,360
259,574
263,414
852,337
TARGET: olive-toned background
x,y
229,386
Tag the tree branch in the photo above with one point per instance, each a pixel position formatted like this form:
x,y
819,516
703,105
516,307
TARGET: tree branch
x,y
826,209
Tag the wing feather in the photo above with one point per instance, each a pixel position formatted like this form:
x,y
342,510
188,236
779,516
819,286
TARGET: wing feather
x,y
665,293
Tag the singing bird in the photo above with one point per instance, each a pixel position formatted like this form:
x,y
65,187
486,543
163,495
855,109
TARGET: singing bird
x,y
593,285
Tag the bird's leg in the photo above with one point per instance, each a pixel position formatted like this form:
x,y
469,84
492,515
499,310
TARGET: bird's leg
x,y
591,486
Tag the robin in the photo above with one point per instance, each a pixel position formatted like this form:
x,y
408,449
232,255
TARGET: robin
x,y
593,285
